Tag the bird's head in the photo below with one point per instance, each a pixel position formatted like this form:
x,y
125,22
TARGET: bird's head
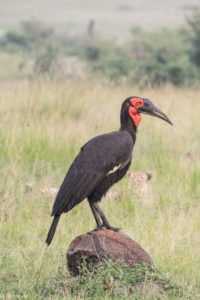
x,y
137,106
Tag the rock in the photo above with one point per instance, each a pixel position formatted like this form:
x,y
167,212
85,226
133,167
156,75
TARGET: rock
x,y
139,183
49,191
114,195
95,246
28,187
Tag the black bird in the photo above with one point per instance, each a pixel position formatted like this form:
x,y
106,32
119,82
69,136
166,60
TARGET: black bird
x,y
101,162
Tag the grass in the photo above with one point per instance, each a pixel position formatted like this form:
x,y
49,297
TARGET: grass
x,y
107,281
12,66
42,127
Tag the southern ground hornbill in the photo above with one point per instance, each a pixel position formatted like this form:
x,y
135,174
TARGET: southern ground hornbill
x,y
101,162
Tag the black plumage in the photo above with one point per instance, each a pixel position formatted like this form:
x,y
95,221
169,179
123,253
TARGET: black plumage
x,y
101,162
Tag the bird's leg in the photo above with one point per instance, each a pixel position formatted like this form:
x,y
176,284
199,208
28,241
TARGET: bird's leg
x,y
95,214
104,219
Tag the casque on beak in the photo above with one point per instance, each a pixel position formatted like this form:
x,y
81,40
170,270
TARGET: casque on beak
x,y
150,109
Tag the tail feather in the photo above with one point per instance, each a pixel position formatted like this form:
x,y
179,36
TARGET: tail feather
x,y
52,229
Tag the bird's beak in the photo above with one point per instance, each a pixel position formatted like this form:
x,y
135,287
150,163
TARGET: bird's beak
x,y
150,109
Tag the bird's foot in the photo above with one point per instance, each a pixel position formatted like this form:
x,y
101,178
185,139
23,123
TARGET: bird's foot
x,y
112,228
99,227
106,226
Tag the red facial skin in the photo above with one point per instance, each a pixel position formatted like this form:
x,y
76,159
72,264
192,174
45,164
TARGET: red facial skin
x,y
135,116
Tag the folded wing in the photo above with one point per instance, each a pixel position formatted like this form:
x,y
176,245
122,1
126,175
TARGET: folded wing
x,y
97,158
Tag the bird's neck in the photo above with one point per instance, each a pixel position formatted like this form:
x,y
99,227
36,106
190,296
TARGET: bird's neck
x,y
128,125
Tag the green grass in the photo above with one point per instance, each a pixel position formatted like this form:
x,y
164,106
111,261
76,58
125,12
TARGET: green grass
x,y
42,127
112,280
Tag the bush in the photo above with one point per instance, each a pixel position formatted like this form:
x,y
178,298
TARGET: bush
x,y
36,30
46,62
194,37
31,36
107,59
160,57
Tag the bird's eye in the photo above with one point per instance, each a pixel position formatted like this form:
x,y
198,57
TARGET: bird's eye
x,y
136,102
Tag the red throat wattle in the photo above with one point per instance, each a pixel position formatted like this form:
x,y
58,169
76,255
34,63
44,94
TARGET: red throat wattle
x,y
135,116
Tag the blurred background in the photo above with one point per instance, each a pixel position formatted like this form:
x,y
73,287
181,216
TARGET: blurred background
x,y
142,42
65,68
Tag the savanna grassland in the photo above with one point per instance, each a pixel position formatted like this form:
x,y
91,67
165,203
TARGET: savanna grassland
x,y
42,127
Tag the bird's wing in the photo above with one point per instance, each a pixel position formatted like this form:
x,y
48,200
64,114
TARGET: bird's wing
x,y
101,155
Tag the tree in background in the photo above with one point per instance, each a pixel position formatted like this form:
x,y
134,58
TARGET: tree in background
x,y
194,36
46,62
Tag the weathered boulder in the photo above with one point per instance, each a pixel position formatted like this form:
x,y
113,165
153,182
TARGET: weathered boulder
x,y
95,246
139,184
